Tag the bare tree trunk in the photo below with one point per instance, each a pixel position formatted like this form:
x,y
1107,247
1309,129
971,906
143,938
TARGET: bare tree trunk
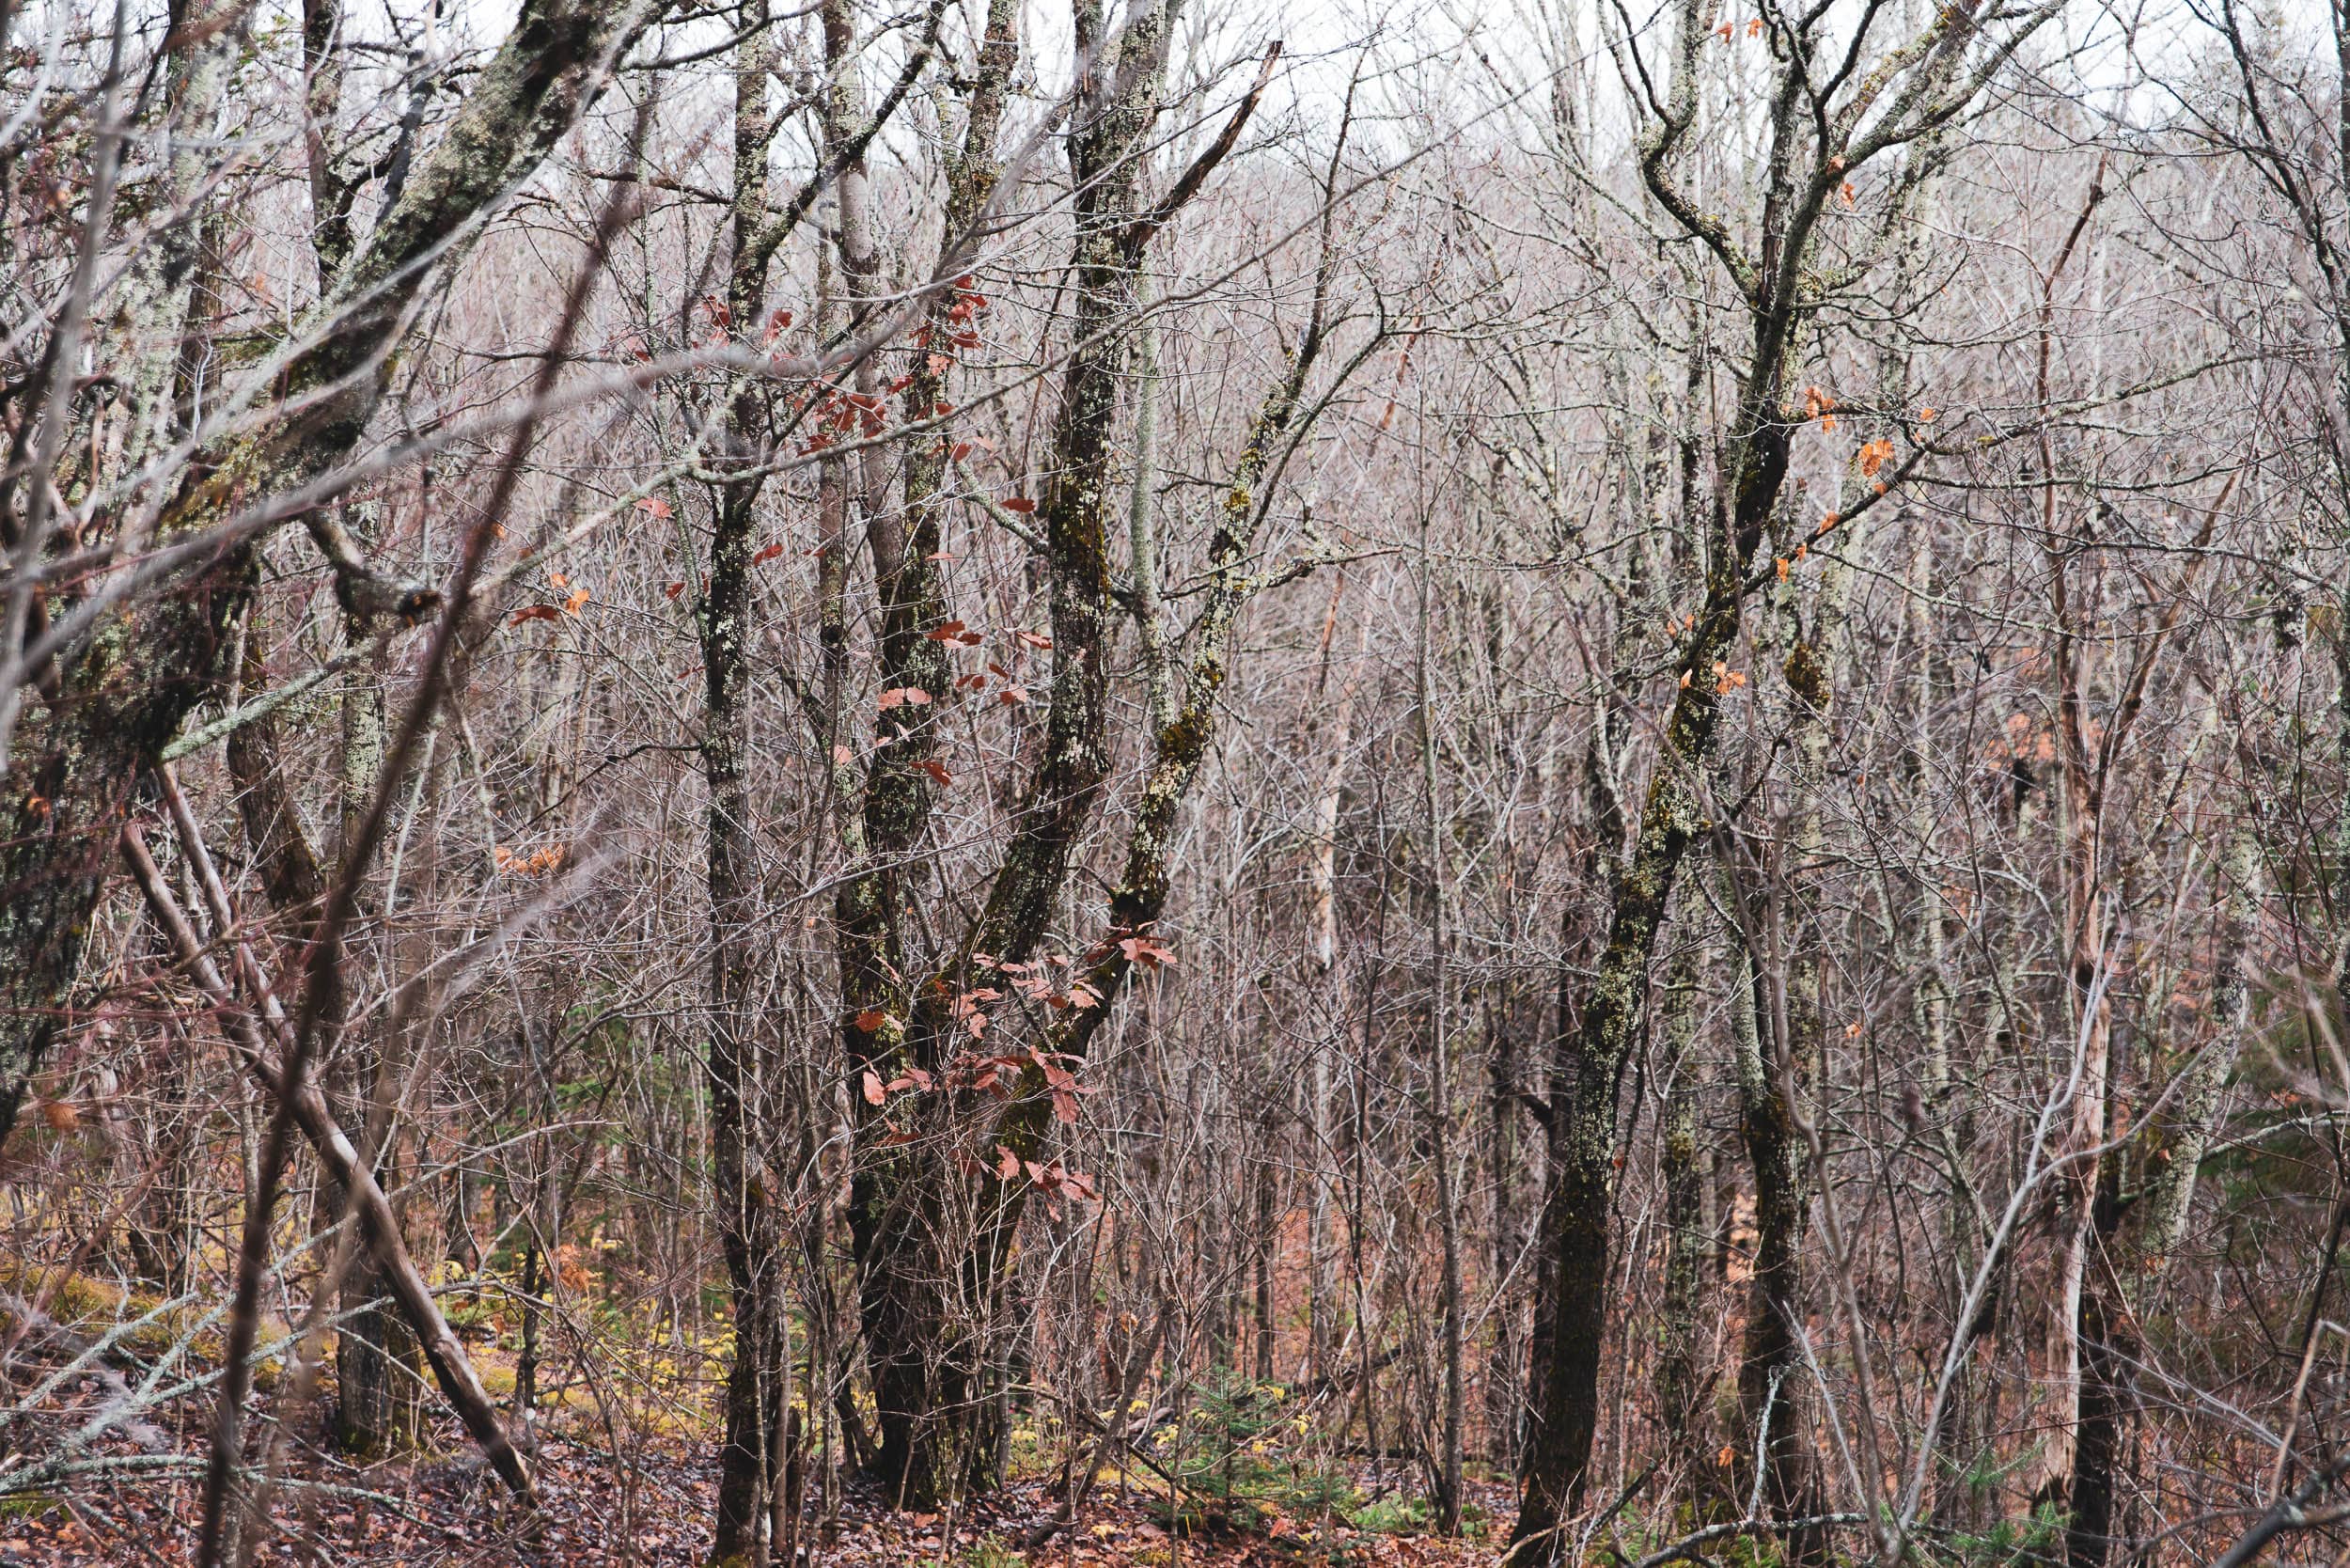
x,y
376,1358
922,1385
1577,1207
1268,1240
750,1231
1808,155
1505,1366
1772,1377
1684,1382
1440,1076
1323,915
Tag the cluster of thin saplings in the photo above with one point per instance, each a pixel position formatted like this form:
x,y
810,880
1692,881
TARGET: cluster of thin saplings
x,y
1586,765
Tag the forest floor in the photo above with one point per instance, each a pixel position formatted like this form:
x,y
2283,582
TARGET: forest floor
x,y
626,1468
448,1514
654,1511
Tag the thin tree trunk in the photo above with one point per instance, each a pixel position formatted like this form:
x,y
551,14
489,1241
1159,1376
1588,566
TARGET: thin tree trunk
x,y
1322,914
1505,1366
2138,1240
1268,1240
751,1456
1440,1077
1683,1381
1577,1207
1771,1373
375,1356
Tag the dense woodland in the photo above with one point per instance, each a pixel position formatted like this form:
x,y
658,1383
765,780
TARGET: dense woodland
x,y
1161,782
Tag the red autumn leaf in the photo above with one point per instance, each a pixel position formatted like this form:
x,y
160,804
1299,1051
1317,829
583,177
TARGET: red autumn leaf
x,y
1013,695
767,554
875,1093
1146,951
1009,1167
654,505
1019,504
898,695
674,590
535,612
871,1019
1034,639
937,770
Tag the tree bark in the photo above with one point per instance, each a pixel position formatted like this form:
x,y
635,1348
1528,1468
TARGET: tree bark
x,y
930,1220
1440,1081
1577,1205
921,1398
1683,1383
750,1456
1771,1374
376,1357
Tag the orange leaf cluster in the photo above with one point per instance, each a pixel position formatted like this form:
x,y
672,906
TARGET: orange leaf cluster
x,y
536,863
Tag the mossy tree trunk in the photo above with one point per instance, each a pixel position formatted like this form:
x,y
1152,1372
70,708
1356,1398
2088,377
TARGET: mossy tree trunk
x,y
114,697
934,1219
1817,135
